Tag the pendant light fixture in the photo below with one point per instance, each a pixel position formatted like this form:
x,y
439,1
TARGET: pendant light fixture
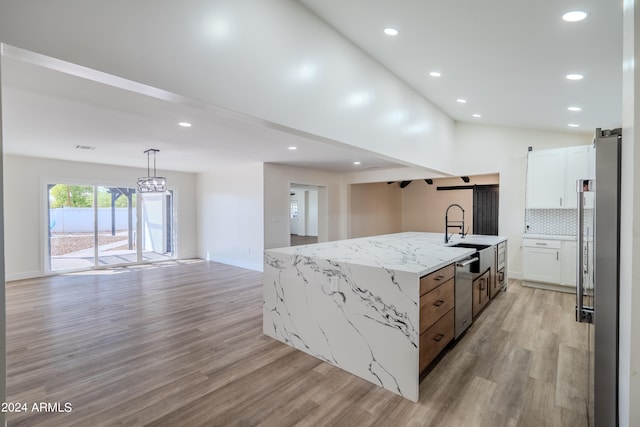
x,y
149,183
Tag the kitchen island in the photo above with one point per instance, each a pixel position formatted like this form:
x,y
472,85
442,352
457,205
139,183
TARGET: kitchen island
x,y
356,303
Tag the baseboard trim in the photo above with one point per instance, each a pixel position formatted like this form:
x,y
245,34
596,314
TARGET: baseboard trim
x,y
550,287
236,263
9,277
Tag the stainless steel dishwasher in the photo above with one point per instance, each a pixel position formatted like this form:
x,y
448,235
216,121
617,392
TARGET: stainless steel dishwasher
x,y
464,294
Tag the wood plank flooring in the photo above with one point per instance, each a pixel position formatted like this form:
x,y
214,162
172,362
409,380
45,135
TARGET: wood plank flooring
x,y
302,240
181,344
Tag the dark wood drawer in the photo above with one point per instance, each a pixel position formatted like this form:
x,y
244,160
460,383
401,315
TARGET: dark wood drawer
x,y
435,339
434,304
500,278
497,283
436,278
481,292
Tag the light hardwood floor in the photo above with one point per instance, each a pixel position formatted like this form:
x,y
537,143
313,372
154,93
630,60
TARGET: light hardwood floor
x,y
181,344
302,240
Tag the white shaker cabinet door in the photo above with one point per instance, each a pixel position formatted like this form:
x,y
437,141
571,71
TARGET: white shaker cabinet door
x,y
541,264
545,179
577,167
568,257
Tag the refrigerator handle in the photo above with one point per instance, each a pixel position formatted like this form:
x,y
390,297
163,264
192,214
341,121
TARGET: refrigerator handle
x,y
582,315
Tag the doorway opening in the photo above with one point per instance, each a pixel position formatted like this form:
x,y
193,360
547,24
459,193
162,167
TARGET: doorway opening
x,y
303,214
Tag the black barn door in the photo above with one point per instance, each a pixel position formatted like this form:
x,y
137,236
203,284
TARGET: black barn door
x,y
485,209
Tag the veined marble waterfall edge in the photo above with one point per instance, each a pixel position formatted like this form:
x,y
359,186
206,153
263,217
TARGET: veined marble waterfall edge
x,y
362,319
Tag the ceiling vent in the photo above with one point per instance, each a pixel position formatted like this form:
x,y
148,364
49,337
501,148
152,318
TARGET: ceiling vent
x,y
85,147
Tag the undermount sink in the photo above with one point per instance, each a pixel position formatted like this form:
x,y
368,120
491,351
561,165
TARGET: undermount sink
x,y
470,246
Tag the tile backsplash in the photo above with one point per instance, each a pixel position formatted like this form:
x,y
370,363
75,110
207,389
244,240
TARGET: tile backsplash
x,y
551,221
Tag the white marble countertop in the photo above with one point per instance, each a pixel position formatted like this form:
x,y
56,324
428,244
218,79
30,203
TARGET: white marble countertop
x,y
548,236
412,252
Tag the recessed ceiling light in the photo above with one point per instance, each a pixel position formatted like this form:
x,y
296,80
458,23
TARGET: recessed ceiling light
x,y
575,16
477,116
461,101
573,125
293,147
574,109
356,163
435,74
391,31
184,124
575,76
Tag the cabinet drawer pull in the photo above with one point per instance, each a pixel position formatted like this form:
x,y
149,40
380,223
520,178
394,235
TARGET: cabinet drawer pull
x,y
438,278
438,337
438,303
541,244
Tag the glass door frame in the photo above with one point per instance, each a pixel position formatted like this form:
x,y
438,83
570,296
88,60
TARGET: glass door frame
x,y
45,225
169,233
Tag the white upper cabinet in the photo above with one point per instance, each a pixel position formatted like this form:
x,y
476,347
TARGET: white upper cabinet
x,y
544,175
578,161
552,176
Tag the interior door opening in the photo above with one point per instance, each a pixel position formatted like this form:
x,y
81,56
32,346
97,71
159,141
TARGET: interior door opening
x,y
303,218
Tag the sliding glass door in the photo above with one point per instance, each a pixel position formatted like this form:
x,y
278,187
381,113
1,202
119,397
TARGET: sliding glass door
x,y
156,231
72,240
99,226
116,226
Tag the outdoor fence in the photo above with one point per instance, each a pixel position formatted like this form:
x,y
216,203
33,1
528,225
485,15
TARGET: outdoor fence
x,y
81,220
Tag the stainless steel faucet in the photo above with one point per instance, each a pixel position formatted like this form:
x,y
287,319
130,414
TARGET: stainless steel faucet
x,y
453,224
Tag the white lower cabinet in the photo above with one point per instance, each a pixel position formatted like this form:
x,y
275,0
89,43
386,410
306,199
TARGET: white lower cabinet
x,y
549,264
541,260
568,258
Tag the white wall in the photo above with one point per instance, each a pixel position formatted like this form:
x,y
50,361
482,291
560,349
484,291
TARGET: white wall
x,y
390,174
230,214
210,51
630,222
25,205
332,210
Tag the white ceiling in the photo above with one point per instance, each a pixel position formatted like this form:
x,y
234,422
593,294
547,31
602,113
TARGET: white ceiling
x,y
507,58
47,113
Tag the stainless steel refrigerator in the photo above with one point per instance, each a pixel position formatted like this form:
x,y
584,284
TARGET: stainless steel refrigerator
x,y
598,274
